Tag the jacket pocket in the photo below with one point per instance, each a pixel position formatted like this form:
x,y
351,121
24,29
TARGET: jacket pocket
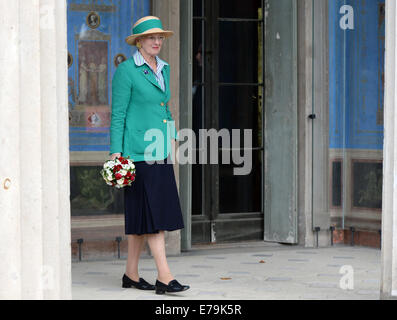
x,y
138,144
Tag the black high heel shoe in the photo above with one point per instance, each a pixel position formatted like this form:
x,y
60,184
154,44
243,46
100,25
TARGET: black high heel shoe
x,y
142,284
173,286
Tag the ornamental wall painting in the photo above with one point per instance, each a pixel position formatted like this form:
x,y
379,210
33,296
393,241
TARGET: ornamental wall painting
x,y
356,75
356,91
93,73
96,33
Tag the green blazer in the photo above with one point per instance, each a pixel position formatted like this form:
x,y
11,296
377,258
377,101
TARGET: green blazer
x,y
138,105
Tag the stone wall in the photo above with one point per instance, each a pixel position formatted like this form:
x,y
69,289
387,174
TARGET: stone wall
x,y
34,160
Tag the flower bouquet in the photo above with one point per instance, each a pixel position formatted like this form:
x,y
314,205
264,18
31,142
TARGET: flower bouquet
x,y
119,172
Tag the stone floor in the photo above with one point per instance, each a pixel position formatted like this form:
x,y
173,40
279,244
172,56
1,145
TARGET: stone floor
x,y
247,271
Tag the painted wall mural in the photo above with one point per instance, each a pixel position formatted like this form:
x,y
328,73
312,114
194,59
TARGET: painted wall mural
x,y
96,33
356,83
356,73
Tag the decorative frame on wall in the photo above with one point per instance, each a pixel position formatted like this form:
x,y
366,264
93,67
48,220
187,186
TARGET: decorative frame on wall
x,y
70,60
93,20
336,182
366,190
119,58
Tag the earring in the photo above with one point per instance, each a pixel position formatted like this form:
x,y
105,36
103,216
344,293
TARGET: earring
x,y
138,45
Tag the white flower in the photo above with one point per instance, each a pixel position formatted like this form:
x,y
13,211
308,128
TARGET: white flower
x,y
120,181
108,164
123,172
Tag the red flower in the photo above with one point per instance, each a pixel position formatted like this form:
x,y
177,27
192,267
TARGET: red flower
x,y
124,162
125,181
118,176
121,158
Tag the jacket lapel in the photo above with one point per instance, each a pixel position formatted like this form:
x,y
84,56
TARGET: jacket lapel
x,y
166,82
148,74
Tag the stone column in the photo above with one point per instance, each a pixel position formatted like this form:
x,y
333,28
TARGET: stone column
x,y
168,12
313,146
34,158
388,287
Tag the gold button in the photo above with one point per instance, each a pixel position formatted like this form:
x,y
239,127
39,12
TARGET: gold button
x,y
164,120
162,104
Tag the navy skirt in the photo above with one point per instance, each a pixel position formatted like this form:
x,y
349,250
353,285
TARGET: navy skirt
x,y
151,203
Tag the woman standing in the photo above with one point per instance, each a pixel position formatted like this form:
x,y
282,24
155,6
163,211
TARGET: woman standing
x,y
140,95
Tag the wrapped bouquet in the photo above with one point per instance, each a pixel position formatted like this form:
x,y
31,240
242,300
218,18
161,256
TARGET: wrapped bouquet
x,y
119,172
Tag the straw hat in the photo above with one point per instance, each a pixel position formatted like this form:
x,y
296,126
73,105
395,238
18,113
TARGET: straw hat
x,y
146,26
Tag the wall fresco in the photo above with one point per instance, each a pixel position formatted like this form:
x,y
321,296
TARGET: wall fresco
x,y
96,33
356,73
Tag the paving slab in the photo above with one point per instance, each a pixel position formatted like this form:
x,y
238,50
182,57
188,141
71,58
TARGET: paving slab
x,y
250,271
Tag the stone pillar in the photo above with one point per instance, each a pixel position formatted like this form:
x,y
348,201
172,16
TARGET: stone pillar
x,y
34,157
313,143
305,82
168,12
388,286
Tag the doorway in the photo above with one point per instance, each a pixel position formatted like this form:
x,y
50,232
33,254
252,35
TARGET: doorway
x,y
227,94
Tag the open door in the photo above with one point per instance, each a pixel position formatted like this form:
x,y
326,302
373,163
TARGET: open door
x,y
281,122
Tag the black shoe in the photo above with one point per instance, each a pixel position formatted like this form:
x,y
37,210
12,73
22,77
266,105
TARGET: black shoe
x,y
142,284
173,286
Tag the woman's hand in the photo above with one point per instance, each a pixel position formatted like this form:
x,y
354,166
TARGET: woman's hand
x,y
115,155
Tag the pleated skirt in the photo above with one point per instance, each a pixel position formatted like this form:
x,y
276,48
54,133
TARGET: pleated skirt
x,y
151,203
